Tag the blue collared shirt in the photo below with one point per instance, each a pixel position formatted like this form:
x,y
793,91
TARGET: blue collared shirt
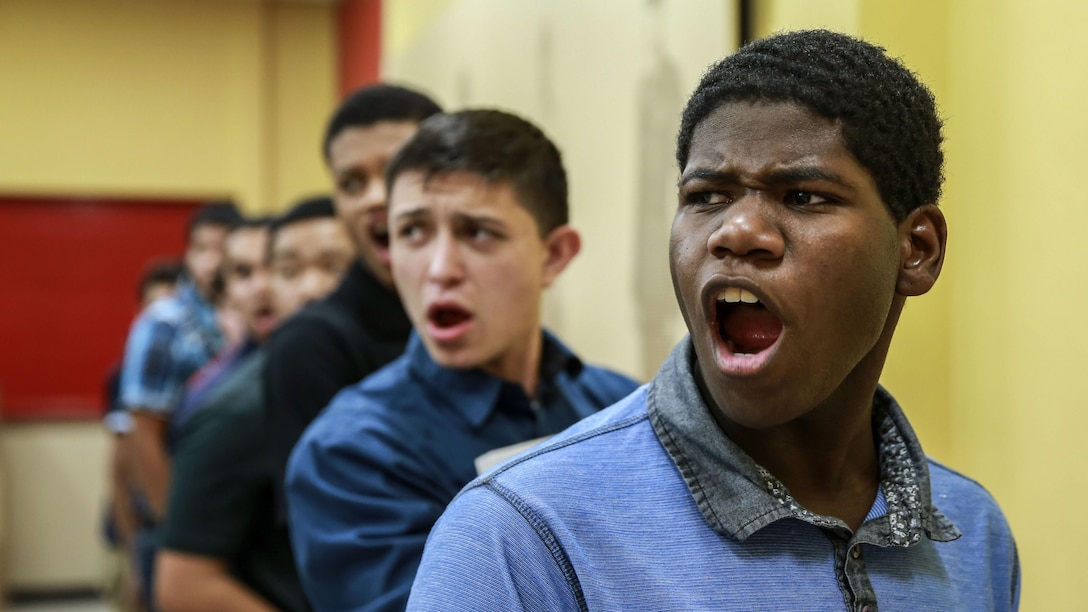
x,y
169,342
376,469
649,506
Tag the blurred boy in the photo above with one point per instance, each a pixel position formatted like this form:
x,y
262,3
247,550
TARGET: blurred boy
x,y
170,341
127,512
247,293
222,548
362,325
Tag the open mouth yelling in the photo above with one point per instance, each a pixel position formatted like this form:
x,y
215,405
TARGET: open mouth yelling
x,y
746,330
448,322
264,319
378,229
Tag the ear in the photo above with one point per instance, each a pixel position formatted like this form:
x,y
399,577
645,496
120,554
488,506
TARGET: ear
x,y
922,239
561,245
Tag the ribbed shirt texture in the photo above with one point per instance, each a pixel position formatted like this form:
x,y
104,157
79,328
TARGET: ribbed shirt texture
x,y
649,506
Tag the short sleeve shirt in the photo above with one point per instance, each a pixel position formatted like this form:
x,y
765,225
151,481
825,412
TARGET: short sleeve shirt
x,y
221,497
169,342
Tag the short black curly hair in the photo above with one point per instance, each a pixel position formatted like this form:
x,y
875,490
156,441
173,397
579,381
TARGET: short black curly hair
x,y
889,118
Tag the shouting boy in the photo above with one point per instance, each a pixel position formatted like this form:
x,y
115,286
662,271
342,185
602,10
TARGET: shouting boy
x,y
763,467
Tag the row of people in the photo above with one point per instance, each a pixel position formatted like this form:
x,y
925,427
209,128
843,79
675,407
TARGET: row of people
x,y
762,467
267,270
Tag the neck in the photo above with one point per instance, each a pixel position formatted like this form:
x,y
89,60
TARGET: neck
x,y
828,462
828,457
521,364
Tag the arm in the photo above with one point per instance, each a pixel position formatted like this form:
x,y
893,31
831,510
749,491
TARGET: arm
x,y
152,464
484,555
217,485
361,506
151,383
120,487
185,583
306,367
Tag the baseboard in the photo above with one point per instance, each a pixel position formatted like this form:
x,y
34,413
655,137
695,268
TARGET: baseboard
x,y
77,593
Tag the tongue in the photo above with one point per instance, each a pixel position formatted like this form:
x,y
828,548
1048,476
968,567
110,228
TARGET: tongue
x,y
752,328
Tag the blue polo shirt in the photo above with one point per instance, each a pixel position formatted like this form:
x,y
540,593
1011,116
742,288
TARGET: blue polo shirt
x,y
373,473
649,506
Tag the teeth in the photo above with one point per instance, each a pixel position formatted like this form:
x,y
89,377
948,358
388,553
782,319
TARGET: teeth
x,y
732,295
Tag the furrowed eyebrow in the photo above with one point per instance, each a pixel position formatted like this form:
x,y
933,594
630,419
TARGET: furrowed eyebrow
x,y
806,173
713,176
784,176
415,213
479,220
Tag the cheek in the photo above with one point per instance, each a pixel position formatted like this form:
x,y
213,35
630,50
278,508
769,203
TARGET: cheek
x,y
407,266
684,261
854,286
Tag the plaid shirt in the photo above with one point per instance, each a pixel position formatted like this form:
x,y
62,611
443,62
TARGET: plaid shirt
x,y
169,341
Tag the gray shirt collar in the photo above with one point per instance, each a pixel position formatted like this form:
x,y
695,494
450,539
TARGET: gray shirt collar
x,y
738,497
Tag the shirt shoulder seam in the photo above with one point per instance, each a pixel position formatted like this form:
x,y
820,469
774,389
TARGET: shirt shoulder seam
x,y
540,527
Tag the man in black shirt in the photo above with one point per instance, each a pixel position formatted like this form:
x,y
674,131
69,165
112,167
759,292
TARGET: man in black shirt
x,y
361,326
222,546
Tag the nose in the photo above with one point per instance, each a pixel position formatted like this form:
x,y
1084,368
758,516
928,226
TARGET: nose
x,y
446,266
748,229
262,283
374,194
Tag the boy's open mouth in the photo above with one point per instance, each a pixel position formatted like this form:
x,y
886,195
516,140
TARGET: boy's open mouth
x,y
446,316
745,325
379,233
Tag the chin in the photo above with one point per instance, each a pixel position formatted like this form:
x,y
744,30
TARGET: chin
x,y
454,360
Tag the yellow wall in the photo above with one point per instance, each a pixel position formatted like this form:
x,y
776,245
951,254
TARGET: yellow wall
x,y
145,98
920,385
602,102
992,362
167,98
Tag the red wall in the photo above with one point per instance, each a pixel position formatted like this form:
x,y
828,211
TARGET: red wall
x,y
360,32
68,275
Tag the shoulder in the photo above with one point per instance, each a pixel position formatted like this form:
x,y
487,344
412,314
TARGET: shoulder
x,y
315,319
607,440
310,340
239,392
323,330
955,494
159,322
975,512
170,310
607,381
233,412
377,403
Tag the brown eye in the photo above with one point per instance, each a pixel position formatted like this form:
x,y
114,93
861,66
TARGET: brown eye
x,y
706,198
352,184
804,198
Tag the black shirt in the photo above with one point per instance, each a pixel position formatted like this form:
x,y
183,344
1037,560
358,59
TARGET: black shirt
x,y
325,347
221,494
